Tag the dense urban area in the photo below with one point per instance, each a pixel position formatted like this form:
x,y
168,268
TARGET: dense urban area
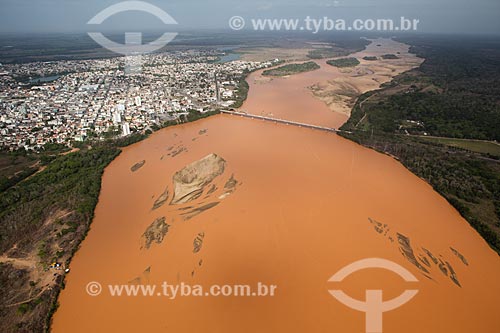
x,y
61,102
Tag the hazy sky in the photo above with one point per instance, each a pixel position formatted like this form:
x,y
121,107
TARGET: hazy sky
x,y
448,16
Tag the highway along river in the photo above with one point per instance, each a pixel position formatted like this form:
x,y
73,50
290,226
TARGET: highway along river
x,y
236,201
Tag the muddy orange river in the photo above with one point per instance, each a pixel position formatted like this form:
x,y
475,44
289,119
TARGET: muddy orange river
x,y
307,204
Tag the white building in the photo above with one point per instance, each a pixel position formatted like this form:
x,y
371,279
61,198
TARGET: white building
x,y
117,118
138,101
125,129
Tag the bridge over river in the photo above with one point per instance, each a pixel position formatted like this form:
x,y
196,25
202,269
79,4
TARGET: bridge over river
x,y
281,121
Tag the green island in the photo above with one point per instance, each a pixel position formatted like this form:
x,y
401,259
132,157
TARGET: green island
x,y
370,58
344,62
442,122
291,69
389,56
341,48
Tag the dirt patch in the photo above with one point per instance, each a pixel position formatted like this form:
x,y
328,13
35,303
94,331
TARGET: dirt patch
x,y
374,70
198,242
161,199
190,182
155,233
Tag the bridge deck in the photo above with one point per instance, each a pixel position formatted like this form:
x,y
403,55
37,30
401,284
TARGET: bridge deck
x,y
281,121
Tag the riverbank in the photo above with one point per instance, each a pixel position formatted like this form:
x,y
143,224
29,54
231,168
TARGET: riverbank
x,y
428,119
52,213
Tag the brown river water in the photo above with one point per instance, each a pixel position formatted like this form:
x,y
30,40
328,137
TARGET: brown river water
x,y
307,204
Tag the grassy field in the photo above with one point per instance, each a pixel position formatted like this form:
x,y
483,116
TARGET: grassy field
x,y
483,147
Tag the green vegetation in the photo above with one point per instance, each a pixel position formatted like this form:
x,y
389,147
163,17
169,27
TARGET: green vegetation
x,y
454,94
370,58
390,56
340,48
323,53
344,62
485,147
292,69
7,182
197,115
451,114
241,93
23,308
19,165
71,181
192,115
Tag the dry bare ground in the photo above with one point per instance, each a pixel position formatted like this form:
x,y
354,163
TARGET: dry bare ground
x,y
341,92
